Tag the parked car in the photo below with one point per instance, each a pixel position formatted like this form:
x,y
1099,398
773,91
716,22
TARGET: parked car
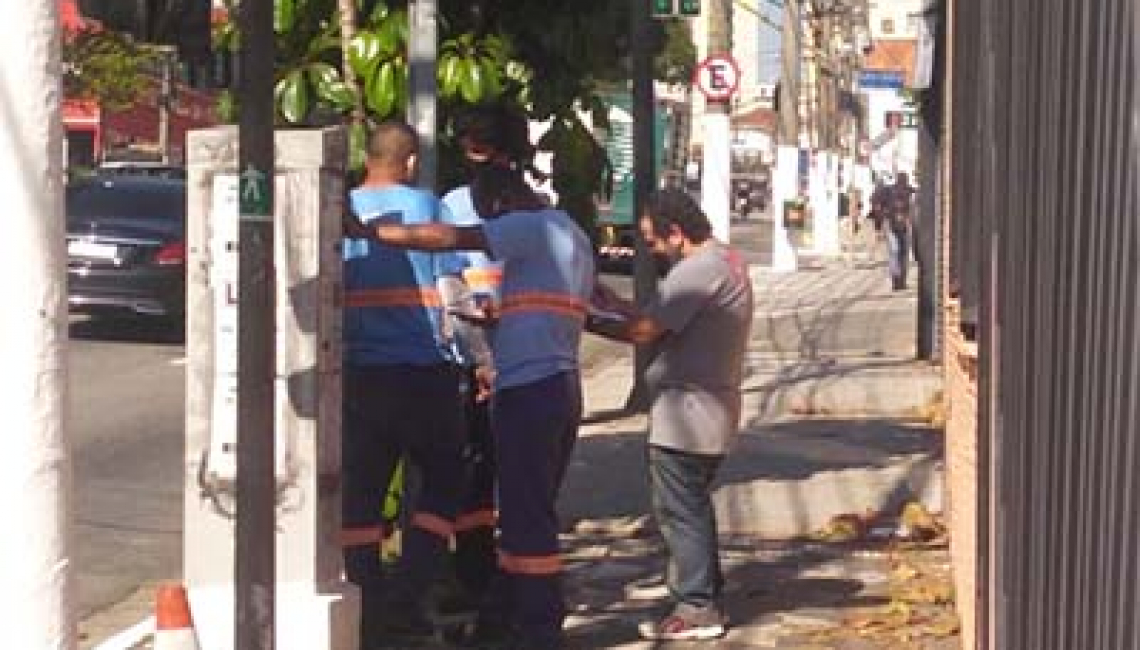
x,y
126,246
138,168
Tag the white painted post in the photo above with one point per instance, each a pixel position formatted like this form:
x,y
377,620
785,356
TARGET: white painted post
x,y
716,188
35,469
784,187
316,608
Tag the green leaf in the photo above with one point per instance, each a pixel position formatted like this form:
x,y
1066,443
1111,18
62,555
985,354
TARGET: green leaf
x,y
284,15
322,74
381,93
400,82
364,52
339,94
449,67
393,33
492,82
471,81
399,23
293,96
379,13
227,107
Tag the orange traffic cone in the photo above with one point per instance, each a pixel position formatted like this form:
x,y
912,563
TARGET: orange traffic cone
x,y
173,625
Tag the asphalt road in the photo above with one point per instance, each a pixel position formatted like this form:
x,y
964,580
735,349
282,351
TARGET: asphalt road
x,y
125,422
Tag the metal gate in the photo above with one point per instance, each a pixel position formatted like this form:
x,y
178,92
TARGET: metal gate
x,y
1045,258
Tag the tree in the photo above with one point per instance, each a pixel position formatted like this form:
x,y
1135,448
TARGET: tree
x,y
548,57
105,66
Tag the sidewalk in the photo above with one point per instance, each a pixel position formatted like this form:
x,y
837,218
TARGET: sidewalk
x,y
831,434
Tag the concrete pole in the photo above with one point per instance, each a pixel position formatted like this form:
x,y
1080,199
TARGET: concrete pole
x,y
35,469
716,181
785,181
424,51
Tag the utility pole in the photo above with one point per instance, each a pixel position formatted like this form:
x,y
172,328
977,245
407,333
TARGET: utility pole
x,y
35,466
644,177
716,178
255,551
167,56
785,182
422,103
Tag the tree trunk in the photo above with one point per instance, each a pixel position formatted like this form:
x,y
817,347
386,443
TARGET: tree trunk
x,y
347,10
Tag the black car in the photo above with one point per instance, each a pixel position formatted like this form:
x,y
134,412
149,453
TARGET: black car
x,y
126,246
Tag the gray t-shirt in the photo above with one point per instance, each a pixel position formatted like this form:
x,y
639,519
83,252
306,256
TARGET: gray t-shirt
x,y
705,303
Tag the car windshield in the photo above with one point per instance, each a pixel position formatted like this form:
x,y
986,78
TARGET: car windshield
x,y
158,202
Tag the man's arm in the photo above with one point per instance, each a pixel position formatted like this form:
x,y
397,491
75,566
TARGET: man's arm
x,y
431,237
638,329
426,237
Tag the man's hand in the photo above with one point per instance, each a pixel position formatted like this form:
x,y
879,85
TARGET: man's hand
x,y
484,380
604,298
354,228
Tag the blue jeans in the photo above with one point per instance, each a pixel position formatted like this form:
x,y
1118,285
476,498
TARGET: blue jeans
x,y
898,245
681,487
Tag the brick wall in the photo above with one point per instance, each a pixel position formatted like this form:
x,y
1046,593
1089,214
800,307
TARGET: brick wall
x,y
960,366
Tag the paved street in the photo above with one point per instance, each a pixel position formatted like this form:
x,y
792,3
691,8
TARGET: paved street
x,y
125,421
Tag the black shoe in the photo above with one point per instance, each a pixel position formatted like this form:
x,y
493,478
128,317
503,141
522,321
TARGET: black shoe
x,y
457,603
402,626
481,635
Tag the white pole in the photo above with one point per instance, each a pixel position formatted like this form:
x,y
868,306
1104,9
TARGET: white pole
x,y
784,187
716,185
35,471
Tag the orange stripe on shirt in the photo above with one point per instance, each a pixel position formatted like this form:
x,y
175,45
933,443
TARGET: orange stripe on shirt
x,y
531,565
433,524
473,520
541,301
393,297
365,536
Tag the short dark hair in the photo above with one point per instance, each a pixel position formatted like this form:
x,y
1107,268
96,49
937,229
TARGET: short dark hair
x,y
497,185
674,207
501,128
392,142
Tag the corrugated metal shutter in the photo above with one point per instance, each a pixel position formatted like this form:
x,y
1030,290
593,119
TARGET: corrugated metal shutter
x,y
1046,245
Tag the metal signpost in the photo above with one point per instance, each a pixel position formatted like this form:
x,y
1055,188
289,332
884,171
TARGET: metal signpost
x,y
255,543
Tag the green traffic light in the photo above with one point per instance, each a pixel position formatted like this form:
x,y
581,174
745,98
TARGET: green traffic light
x,y
690,7
664,7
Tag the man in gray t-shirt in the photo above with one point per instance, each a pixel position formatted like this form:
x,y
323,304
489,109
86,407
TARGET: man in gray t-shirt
x,y
699,328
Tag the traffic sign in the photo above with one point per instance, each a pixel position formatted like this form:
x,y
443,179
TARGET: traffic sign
x,y
253,197
717,77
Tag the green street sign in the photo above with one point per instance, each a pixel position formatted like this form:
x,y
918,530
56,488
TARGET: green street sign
x,y
253,193
690,8
664,8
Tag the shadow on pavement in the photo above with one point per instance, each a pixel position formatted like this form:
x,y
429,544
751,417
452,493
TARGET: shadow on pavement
x,y
128,330
607,478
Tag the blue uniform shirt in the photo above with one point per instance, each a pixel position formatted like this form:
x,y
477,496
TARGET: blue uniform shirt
x,y
548,277
393,310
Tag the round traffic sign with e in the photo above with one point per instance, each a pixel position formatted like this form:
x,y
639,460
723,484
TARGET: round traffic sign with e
x,y
717,77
